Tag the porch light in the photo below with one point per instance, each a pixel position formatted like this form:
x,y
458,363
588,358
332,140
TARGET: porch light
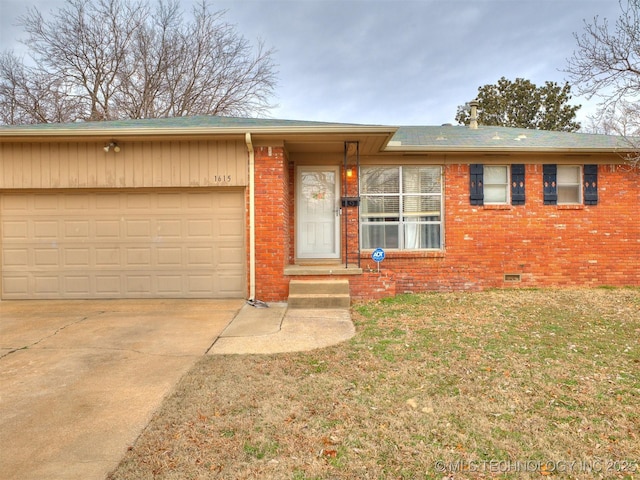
x,y
110,145
349,172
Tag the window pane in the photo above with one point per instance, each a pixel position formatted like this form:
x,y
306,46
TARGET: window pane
x,y
495,174
380,180
495,194
420,204
568,194
421,236
380,236
568,174
421,179
372,205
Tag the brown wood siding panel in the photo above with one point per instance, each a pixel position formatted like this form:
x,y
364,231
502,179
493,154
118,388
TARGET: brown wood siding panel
x,y
147,164
138,164
203,164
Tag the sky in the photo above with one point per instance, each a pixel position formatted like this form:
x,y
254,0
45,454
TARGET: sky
x,y
393,62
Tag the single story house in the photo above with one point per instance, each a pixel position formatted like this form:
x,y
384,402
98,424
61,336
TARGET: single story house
x,y
214,207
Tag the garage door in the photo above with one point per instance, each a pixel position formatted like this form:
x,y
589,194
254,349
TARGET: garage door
x,y
123,244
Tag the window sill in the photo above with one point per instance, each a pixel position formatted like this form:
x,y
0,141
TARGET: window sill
x,y
391,254
570,207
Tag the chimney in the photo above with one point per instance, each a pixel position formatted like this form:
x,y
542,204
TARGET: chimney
x,y
473,120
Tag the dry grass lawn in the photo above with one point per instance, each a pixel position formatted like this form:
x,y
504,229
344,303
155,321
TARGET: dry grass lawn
x,y
495,384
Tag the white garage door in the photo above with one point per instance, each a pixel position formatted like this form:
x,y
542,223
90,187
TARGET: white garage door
x,y
123,244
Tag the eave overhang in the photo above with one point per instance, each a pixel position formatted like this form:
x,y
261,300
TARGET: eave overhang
x,y
329,137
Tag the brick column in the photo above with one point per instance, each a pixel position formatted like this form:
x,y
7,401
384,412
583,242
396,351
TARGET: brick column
x,y
272,223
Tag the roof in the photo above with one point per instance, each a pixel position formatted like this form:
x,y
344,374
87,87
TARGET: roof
x,y
488,138
177,123
395,139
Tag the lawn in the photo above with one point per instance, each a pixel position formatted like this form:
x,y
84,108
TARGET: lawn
x,y
494,384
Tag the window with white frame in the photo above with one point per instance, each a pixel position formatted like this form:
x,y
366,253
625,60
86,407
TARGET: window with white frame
x,y
569,184
401,207
496,184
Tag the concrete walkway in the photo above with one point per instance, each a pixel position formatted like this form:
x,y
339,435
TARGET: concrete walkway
x,y
277,330
79,380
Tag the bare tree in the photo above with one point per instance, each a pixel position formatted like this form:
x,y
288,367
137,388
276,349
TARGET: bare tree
x,y
624,120
606,65
115,59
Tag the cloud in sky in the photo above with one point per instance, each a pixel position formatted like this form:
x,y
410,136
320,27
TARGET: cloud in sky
x,y
394,62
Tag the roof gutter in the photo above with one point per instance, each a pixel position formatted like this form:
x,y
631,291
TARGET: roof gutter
x,y
252,217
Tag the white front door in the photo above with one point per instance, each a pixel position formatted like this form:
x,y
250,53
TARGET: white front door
x,y
318,212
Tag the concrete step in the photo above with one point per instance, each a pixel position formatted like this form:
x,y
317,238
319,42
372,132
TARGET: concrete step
x,y
319,301
319,294
319,286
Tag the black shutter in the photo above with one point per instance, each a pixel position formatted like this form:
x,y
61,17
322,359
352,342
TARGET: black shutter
x,y
517,184
476,192
590,184
550,187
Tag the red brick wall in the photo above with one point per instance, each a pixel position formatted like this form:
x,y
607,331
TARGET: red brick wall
x,y
272,223
547,245
349,221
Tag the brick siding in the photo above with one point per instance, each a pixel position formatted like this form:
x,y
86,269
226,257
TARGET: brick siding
x,y
272,201
544,245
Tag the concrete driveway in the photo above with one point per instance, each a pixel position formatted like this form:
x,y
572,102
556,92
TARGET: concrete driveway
x,y
79,380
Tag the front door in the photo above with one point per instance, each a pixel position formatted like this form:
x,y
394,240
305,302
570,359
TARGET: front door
x,y
318,212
